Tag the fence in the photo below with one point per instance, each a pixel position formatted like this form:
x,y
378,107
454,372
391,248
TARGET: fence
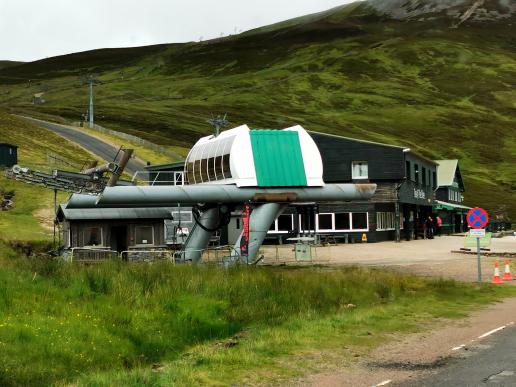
x,y
89,255
147,255
134,139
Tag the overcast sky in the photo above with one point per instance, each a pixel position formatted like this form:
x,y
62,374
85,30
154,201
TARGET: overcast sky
x,y
35,29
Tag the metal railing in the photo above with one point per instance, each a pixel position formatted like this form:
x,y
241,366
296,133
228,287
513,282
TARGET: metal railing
x,y
158,178
147,255
91,255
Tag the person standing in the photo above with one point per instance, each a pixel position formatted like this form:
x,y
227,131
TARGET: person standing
x,y
439,224
429,228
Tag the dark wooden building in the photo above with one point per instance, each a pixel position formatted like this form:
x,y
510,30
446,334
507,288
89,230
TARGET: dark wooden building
x,y
8,155
450,197
403,201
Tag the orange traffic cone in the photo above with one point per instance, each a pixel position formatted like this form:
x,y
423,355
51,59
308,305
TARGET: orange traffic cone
x,y
507,273
496,277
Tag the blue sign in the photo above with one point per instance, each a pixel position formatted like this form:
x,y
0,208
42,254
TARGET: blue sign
x,y
477,218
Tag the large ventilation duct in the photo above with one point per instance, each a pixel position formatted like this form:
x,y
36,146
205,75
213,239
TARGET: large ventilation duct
x,y
200,235
165,195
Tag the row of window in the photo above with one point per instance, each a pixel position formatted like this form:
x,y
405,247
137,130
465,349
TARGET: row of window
x,y
344,221
210,161
206,170
424,176
94,236
455,196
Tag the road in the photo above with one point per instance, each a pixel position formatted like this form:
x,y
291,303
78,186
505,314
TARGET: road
x,y
491,363
94,145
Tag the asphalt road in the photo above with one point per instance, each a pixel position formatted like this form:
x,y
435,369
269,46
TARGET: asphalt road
x,y
489,363
98,147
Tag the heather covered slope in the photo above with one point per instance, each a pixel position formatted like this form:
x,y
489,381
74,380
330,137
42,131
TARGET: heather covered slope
x,y
438,77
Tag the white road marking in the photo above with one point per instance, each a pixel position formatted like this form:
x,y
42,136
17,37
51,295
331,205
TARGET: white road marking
x,y
384,383
493,331
484,335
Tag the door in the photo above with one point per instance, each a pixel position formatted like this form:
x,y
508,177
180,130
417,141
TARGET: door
x,y
119,238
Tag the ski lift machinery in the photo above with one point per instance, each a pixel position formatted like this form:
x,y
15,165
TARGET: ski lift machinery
x,y
265,169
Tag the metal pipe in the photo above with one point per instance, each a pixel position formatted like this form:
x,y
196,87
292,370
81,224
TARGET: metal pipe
x,y
165,195
109,167
121,167
199,238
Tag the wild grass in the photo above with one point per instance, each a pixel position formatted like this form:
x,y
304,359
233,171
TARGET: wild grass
x,y
159,324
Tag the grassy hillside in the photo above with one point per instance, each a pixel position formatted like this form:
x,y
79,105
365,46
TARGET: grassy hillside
x,y
8,63
445,92
32,214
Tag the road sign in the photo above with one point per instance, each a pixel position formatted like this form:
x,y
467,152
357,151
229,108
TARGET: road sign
x,y
477,218
477,232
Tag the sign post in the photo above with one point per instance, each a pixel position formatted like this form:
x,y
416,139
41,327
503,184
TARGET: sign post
x,y
244,241
477,219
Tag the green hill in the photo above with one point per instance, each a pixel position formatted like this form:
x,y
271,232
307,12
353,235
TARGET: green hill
x,y
436,76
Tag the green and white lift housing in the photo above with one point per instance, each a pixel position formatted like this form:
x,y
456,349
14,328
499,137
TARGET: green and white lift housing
x,y
266,169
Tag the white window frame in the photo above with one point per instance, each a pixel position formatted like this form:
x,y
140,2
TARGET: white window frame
x,y
353,163
332,222
385,223
144,244
276,231
333,229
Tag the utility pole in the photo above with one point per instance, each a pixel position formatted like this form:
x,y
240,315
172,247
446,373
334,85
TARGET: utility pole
x,y
90,81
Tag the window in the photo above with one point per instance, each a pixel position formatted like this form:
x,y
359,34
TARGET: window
x,y
211,169
283,224
325,222
238,224
226,169
359,221
424,175
434,175
93,236
144,235
416,173
408,171
385,221
189,173
307,223
218,168
197,172
359,170
204,170
342,221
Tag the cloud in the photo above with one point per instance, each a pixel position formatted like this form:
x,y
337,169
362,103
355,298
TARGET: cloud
x,y
34,29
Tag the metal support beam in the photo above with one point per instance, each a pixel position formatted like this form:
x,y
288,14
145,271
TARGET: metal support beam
x,y
199,238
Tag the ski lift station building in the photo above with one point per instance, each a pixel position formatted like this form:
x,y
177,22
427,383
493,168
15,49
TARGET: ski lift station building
x,y
256,158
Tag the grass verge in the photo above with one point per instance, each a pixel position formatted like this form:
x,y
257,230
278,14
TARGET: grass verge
x,y
118,324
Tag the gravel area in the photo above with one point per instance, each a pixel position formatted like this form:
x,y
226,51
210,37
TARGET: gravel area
x,y
432,257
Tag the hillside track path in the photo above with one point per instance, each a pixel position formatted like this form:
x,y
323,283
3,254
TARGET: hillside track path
x,y
92,144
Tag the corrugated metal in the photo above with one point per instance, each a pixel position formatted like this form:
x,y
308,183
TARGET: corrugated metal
x,y
116,213
278,158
